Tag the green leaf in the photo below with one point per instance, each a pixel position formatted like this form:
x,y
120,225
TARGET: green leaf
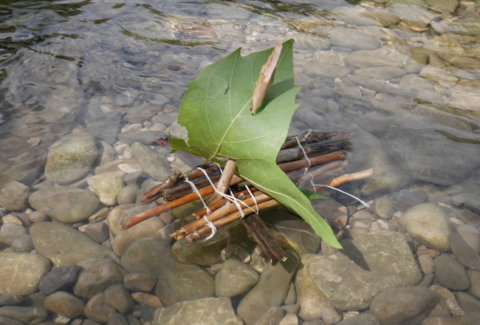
x,y
216,113
312,195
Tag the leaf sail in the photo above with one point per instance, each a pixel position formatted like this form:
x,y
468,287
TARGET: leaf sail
x,y
216,113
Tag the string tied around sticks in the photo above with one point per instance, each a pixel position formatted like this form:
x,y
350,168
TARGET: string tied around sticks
x,y
314,186
210,224
304,152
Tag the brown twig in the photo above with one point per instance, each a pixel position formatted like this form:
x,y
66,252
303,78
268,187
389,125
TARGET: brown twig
x,y
175,203
224,181
205,230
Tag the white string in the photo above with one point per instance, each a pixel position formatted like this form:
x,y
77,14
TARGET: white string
x,y
257,209
210,224
365,204
231,197
304,152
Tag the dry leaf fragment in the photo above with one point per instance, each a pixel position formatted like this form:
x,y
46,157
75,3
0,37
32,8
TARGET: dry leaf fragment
x,y
265,78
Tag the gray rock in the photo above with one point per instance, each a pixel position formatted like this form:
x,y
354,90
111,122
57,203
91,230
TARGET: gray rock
x,y
105,126
10,231
463,252
118,319
13,196
125,238
403,306
468,319
65,304
407,198
64,245
107,186
70,158
59,279
128,194
450,273
144,137
98,309
151,161
301,233
98,231
139,282
22,244
333,65
362,319
8,300
372,263
9,321
313,303
474,277
467,302
234,278
383,207
444,6
20,273
27,315
432,147
96,276
382,73
119,298
272,316
270,290
67,205
212,311
353,39
176,281
471,236
207,252
383,56
428,224
331,210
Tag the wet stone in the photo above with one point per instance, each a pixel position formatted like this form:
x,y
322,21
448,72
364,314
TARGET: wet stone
x,y
471,236
383,207
463,252
362,319
13,196
64,245
125,238
474,277
234,278
407,305
118,319
301,233
450,273
119,298
107,186
8,300
98,309
272,316
428,224
27,315
151,161
212,311
270,290
10,231
139,282
128,194
97,275
67,205
9,321
70,158
20,273
353,39
59,278
143,298
372,262
65,304
468,302
405,199
98,231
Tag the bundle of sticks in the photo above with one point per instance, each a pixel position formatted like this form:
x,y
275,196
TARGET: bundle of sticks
x,y
309,159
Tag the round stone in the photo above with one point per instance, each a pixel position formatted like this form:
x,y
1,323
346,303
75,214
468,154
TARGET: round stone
x,y
65,304
234,278
450,273
428,224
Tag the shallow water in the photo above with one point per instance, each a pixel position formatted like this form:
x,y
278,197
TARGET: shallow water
x,y
403,76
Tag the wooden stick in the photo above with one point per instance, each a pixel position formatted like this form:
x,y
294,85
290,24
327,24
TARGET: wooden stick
x,y
257,228
297,164
205,230
175,203
220,213
224,181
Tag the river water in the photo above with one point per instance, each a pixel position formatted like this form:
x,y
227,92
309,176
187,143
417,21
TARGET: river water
x,y
401,75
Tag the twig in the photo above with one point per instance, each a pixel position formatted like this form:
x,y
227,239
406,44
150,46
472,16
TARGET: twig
x,y
175,203
205,230
224,181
